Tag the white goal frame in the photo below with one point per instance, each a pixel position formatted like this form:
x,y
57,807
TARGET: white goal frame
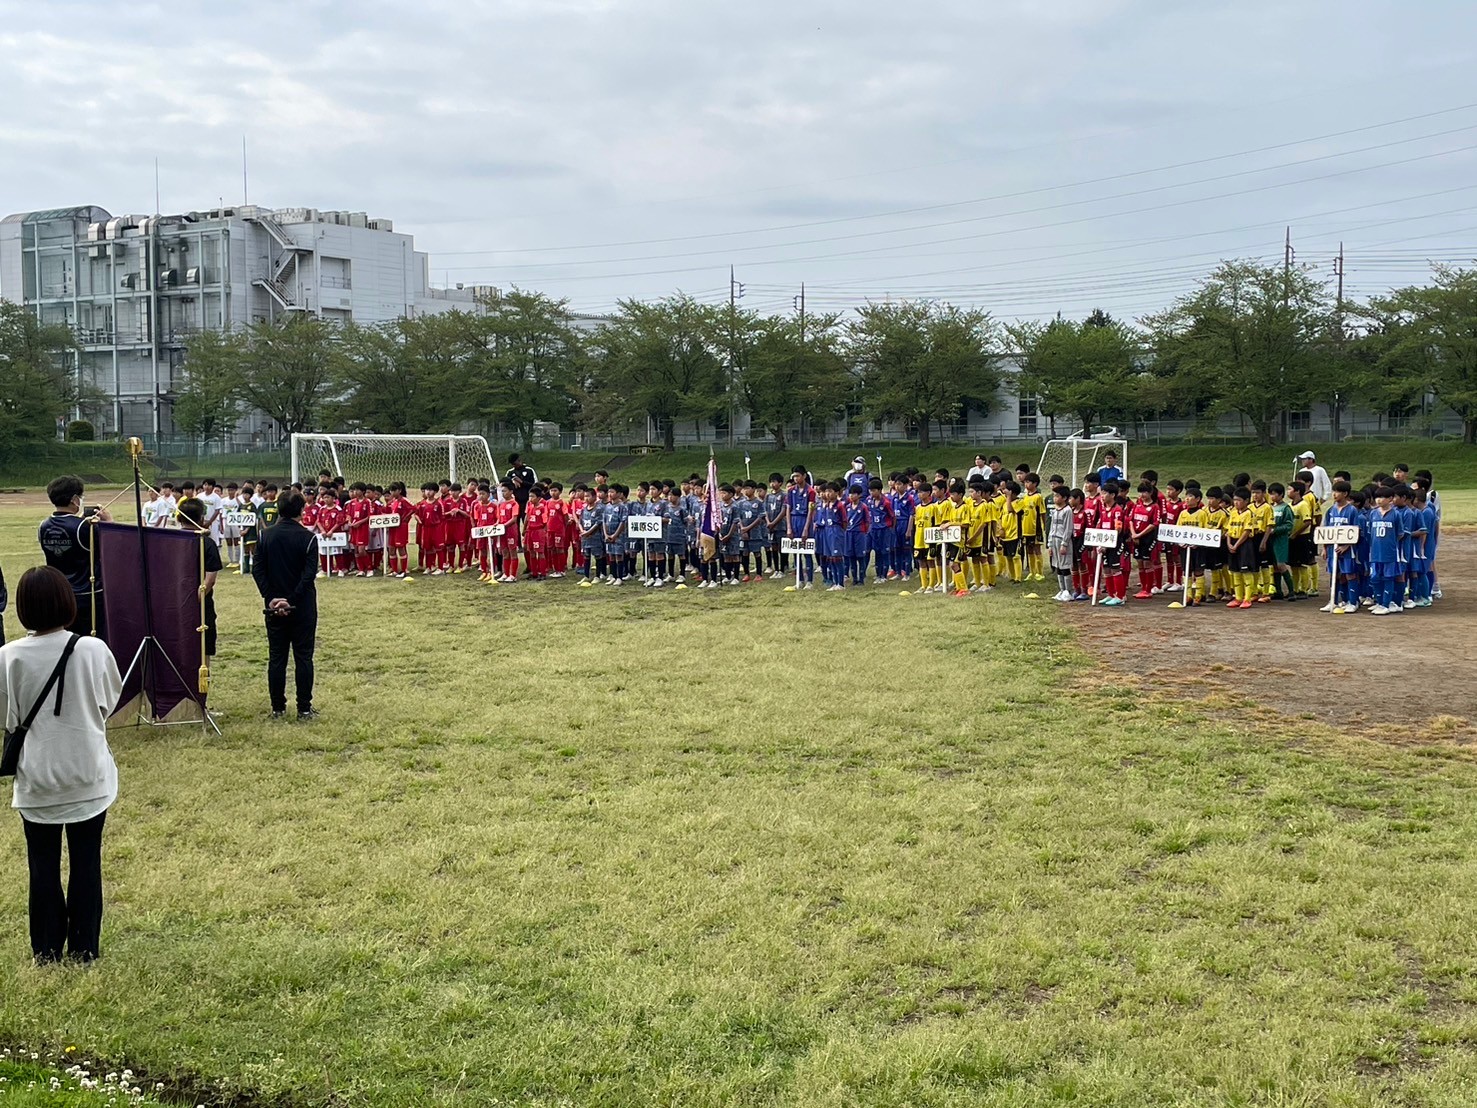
x,y
1081,456
453,454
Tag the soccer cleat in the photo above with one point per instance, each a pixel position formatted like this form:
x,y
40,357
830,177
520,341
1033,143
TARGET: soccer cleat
x,y
1244,604
1142,595
1077,596
307,716
1263,599
1379,610
1330,606
658,583
1233,603
1408,604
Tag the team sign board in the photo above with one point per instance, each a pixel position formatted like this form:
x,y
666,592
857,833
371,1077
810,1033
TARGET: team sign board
x,y
332,544
1343,534
797,546
644,527
1099,536
935,535
384,522
490,532
238,519
1190,536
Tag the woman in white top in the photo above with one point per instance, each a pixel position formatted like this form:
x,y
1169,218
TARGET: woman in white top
x,y
66,778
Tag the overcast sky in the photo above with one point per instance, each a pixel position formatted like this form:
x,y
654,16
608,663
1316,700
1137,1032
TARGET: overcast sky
x,y
1024,155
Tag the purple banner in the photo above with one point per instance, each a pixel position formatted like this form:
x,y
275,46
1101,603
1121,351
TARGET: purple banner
x,y
171,669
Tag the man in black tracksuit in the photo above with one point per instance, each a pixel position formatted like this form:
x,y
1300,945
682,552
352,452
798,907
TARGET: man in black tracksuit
x,y
285,565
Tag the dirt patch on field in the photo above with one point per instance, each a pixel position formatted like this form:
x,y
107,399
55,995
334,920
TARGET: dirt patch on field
x,y
1300,661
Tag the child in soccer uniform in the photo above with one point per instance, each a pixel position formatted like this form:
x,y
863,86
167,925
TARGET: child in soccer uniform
x,y
856,522
1197,585
675,531
1171,505
1242,539
1281,543
1032,508
556,511
923,516
1113,516
1143,530
509,513
330,521
774,525
613,531
747,512
356,517
881,532
592,539
977,509
904,504
484,514
830,537
397,538
1261,514
430,531
1010,530
1342,564
800,508
536,534
1386,535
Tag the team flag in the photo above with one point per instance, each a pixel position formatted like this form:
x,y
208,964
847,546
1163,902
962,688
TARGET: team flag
x,y
709,539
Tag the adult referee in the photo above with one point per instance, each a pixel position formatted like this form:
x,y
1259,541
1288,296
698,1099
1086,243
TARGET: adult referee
x,y
284,568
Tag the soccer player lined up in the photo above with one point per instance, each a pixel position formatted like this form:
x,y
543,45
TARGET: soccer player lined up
x,y
800,508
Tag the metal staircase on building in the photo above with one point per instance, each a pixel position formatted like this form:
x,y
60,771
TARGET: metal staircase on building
x,y
279,285
279,292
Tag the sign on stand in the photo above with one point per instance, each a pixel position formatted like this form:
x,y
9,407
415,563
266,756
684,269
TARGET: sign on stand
x,y
492,531
1100,537
384,522
1341,534
644,527
240,520
934,536
797,546
333,544
1189,536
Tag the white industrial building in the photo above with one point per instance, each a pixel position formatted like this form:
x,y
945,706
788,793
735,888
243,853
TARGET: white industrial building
x,y
134,288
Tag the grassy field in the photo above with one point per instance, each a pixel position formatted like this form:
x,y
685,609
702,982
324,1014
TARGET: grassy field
x,y
593,847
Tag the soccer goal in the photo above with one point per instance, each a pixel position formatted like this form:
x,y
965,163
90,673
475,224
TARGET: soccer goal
x,y
1075,458
380,459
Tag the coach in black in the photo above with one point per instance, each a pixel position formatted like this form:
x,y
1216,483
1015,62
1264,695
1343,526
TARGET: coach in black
x,y
69,541
285,565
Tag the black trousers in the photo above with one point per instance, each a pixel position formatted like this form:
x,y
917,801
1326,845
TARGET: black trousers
x,y
73,923
82,625
296,632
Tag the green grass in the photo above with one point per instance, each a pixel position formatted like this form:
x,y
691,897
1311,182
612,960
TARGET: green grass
x,y
32,1084
598,847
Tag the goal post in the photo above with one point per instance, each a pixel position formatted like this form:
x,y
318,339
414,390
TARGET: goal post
x,y
1075,458
384,458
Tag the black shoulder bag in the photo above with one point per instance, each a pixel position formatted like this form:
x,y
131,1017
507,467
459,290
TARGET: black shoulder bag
x,y
14,740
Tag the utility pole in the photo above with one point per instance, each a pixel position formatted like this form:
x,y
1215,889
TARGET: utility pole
x,y
735,294
1335,414
1287,256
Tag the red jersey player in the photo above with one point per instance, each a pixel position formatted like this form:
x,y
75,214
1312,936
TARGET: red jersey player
x,y
484,514
1170,508
1143,526
506,512
329,522
465,548
356,515
1113,516
397,538
536,534
557,513
430,531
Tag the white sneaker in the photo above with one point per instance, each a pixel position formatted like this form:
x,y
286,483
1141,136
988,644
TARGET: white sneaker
x,y
658,583
1330,606
620,581
1379,610
647,582
1367,601
1408,603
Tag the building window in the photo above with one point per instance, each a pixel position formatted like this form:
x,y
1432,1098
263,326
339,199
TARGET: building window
x,y
1397,418
1028,411
1300,421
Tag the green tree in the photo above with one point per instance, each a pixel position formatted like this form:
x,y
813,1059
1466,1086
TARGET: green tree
x,y
528,360
35,388
1247,339
1086,370
208,403
409,376
657,361
922,361
794,372
290,369
1429,337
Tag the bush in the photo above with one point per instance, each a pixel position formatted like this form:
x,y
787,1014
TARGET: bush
x,y
80,430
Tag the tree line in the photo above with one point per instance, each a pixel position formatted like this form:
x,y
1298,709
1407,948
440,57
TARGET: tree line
x,y
1253,340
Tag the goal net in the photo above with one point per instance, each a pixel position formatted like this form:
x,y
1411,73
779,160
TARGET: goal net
x,y
380,459
1074,459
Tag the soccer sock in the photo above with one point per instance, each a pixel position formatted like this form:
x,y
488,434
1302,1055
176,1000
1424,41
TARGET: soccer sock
x,y
958,578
